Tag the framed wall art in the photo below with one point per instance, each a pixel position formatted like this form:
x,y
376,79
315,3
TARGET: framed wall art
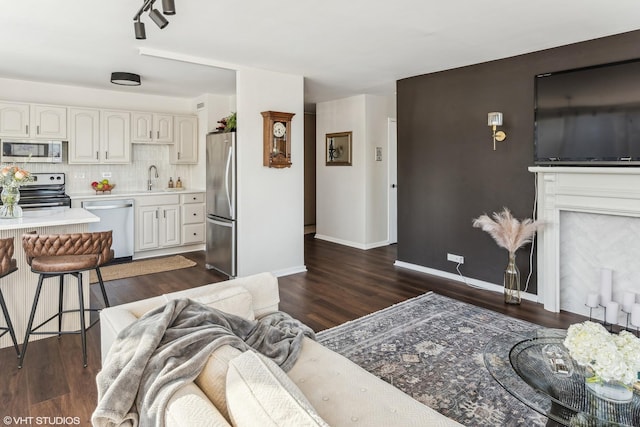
x,y
338,149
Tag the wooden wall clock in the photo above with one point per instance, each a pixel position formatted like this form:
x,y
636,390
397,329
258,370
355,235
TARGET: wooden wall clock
x,y
277,139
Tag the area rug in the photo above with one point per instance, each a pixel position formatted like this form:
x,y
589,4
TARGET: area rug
x,y
139,268
431,347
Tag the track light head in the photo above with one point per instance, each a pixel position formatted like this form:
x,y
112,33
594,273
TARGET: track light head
x,y
139,30
168,7
157,17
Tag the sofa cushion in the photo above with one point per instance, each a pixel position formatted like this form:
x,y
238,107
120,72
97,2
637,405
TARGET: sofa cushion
x,y
259,393
233,300
213,378
189,407
343,393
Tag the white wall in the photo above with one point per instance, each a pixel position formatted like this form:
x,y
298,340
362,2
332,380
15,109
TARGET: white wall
x,y
270,201
352,200
340,195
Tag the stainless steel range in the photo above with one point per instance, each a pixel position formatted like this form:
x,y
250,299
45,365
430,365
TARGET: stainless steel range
x,y
46,191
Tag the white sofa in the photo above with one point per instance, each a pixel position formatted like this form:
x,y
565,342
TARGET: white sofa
x,y
321,382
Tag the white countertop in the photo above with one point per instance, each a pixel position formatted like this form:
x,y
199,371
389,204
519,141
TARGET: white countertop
x,y
49,218
120,194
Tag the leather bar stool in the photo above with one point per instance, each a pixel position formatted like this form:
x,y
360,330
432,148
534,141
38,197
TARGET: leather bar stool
x,y
56,255
7,266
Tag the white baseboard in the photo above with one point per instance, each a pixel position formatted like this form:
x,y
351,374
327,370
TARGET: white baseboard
x,y
290,271
363,246
456,277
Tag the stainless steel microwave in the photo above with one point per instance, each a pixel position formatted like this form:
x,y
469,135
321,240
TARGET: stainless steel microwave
x,y
31,151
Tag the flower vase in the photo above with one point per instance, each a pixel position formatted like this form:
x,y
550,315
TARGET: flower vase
x,y
612,391
512,281
10,197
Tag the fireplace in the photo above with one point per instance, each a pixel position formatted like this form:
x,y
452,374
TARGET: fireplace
x,y
592,217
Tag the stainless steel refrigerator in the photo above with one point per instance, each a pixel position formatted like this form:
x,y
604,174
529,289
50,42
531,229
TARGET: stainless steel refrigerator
x,y
221,202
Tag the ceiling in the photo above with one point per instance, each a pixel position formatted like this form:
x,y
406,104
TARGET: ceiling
x,y
341,47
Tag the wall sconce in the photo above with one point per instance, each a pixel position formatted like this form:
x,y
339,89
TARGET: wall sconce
x,y
495,120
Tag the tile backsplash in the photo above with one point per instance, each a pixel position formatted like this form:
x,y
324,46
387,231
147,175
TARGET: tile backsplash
x,y
132,176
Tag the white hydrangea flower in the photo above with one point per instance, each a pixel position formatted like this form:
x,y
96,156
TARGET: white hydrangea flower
x,y
611,357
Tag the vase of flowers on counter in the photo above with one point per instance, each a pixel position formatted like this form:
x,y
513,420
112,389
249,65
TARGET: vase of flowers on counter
x,y
11,178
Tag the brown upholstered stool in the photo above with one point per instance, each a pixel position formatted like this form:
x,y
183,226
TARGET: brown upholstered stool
x,y
7,266
56,255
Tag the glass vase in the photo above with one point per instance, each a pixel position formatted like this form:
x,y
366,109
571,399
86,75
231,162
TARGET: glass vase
x,y
611,391
10,197
512,281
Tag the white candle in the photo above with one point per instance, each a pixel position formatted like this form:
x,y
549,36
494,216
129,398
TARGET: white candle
x,y
635,315
592,300
628,299
606,285
612,312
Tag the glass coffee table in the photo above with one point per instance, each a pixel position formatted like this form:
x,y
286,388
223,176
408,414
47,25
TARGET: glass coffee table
x,y
536,368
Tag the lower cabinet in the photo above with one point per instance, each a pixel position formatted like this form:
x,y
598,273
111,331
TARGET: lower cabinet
x,y
193,224
158,223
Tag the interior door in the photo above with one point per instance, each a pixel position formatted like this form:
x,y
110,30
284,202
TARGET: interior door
x,y
393,180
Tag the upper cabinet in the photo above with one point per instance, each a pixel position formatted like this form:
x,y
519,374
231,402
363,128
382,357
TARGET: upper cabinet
x,y
185,148
19,120
99,136
148,128
84,135
115,136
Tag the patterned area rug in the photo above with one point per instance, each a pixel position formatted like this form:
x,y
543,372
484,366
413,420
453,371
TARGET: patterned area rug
x,y
431,347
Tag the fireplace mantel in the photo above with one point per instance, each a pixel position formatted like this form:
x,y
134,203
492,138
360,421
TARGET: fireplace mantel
x,y
599,190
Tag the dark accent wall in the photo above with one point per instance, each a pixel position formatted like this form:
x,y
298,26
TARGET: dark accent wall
x,y
449,174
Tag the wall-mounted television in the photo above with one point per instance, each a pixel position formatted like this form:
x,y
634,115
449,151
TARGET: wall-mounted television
x,y
588,116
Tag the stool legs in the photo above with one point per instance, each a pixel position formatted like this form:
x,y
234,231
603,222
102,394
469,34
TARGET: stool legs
x,y
104,292
83,330
60,300
25,343
81,311
9,327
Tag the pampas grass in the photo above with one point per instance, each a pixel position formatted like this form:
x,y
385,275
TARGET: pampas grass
x,y
507,231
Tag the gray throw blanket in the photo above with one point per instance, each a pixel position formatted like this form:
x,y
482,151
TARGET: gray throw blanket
x,y
169,346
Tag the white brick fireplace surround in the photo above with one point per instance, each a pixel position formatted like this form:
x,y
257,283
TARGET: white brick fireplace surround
x,y
592,217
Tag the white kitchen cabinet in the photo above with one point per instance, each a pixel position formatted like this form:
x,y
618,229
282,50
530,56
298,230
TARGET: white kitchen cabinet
x,y
149,128
84,135
115,136
185,148
99,136
193,218
157,222
48,122
37,121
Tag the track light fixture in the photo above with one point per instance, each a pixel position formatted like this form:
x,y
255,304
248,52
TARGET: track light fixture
x,y
168,8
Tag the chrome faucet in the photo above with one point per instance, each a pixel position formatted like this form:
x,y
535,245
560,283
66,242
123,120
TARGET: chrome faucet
x,y
149,180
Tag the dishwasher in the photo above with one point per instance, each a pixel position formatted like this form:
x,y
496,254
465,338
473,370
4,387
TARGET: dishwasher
x,y
115,215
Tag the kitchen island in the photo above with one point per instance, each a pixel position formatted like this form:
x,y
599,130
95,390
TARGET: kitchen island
x,y
19,288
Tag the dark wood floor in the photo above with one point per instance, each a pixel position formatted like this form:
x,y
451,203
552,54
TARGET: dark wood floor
x,y
341,284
